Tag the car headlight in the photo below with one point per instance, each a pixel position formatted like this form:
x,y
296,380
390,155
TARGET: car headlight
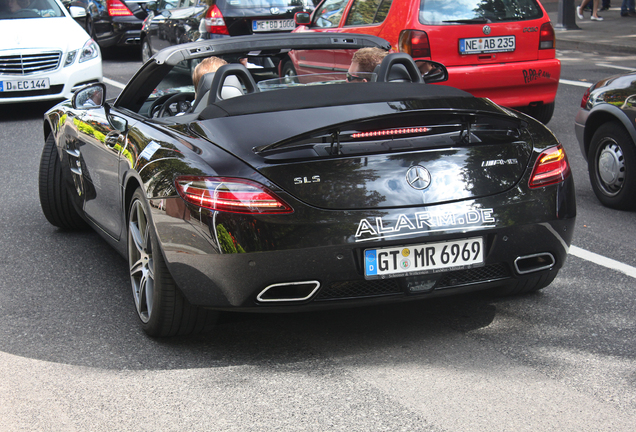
x,y
70,58
89,51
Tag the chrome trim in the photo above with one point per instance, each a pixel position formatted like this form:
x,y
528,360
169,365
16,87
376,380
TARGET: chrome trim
x,y
545,267
261,299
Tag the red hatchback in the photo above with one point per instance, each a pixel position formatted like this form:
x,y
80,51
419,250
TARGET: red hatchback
x,y
500,49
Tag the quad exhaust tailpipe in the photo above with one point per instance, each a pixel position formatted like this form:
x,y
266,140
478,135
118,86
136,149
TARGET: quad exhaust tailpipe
x,y
534,263
288,292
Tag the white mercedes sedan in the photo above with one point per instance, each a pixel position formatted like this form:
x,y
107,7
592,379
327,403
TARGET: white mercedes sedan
x,y
44,53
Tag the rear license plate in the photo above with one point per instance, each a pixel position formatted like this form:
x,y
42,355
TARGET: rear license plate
x,y
273,25
24,85
487,45
423,258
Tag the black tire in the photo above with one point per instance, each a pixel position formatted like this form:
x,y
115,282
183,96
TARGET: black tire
x,y
612,166
542,113
288,72
161,307
146,52
525,285
55,199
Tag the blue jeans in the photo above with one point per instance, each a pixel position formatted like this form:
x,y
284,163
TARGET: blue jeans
x,y
628,4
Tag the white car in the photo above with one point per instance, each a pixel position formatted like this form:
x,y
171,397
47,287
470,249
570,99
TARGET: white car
x,y
44,53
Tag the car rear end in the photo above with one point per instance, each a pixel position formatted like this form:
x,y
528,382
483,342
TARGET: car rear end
x,y
233,18
502,50
118,22
359,203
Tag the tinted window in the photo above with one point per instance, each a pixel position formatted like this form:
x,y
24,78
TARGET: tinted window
x,y
17,9
450,12
368,12
330,13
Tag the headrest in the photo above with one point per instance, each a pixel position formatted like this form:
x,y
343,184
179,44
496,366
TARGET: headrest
x,y
398,73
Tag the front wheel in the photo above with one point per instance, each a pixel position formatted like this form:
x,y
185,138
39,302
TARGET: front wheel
x,y
612,166
55,199
161,307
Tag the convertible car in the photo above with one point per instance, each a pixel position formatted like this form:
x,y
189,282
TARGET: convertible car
x,y
265,193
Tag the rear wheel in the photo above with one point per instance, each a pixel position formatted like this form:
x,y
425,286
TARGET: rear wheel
x,y
161,307
289,72
146,52
542,113
612,166
55,199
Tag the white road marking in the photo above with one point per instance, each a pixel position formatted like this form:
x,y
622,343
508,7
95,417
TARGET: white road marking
x,y
575,83
615,67
114,83
603,261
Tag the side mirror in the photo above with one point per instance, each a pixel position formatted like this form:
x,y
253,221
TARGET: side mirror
x,y
89,97
302,18
432,71
151,6
118,123
77,12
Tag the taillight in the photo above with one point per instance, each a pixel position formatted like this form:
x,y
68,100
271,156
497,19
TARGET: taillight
x,y
586,97
415,43
214,21
117,8
230,195
546,36
551,167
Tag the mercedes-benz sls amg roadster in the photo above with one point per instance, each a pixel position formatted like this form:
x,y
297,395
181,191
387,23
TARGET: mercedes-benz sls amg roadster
x,y
265,193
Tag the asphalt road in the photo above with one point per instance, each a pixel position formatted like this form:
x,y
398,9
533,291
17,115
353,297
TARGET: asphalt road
x,y
72,356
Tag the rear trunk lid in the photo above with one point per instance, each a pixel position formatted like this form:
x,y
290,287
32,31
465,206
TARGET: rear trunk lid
x,y
381,155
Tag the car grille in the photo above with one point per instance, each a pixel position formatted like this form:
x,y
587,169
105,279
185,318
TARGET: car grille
x,y
25,64
386,287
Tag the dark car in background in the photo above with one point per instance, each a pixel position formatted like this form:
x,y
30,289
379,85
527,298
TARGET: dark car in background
x,y
113,23
605,130
173,22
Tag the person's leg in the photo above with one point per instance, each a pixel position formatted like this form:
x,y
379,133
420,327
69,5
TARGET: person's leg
x,y
595,11
579,9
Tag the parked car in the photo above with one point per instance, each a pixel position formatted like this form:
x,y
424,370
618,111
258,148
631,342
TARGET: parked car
x,y
605,130
114,23
500,49
44,53
173,22
281,195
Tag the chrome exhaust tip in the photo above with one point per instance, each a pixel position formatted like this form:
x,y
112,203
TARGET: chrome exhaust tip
x,y
534,263
288,292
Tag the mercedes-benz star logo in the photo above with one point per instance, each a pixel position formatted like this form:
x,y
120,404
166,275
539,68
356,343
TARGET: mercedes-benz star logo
x,y
418,177
274,11
486,30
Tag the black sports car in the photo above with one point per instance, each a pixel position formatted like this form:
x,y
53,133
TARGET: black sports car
x,y
265,193
605,130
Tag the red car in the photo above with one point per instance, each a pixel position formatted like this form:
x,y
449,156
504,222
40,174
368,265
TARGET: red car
x,y
500,49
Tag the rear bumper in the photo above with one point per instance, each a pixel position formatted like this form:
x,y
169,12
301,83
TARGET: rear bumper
x,y
120,31
327,252
509,84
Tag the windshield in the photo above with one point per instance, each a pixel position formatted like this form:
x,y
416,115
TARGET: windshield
x,y
19,9
444,12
